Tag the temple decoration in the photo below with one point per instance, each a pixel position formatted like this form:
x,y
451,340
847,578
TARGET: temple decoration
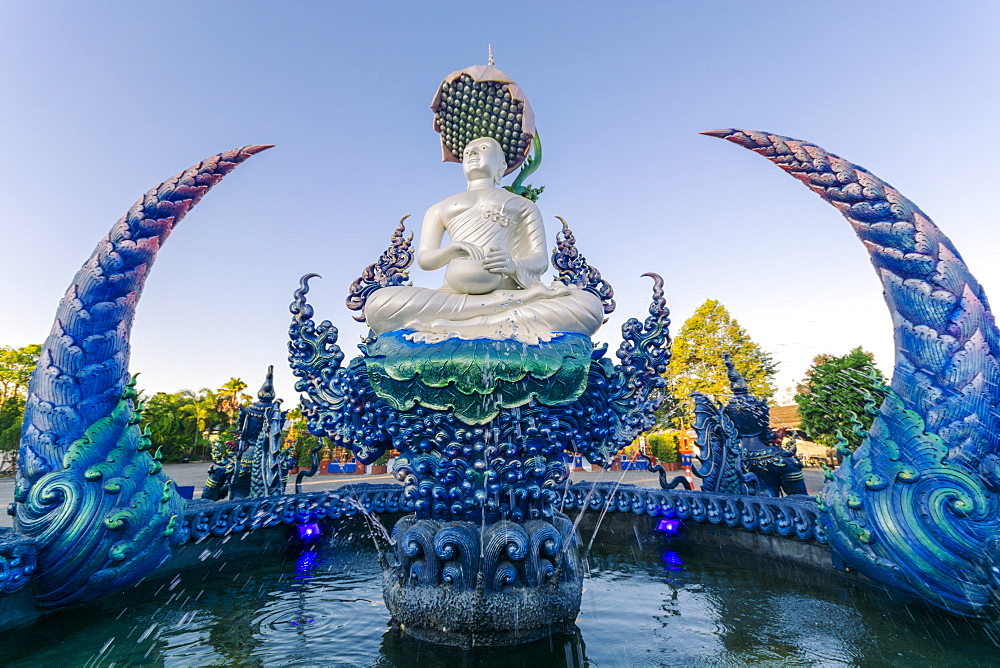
x,y
573,269
482,385
482,101
89,490
391,269
595,417
917,505
738,452
257,463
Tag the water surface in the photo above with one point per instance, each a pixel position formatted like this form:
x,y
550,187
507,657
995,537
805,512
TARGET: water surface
x,y
673,604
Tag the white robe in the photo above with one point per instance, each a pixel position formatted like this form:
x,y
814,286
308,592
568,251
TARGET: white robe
x,y
522,309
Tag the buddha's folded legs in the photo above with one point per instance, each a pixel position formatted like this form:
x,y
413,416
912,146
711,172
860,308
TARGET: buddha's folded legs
x,y
528,315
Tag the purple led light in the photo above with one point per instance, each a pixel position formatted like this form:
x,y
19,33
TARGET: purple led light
x,y
309,531
669,527
306,564
673,561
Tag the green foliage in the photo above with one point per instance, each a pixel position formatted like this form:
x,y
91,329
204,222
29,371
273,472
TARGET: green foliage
x,y
229,398
696,363
833,395
16,367
303,449
179,421
668,415
299,436
664,446
11,417
172,425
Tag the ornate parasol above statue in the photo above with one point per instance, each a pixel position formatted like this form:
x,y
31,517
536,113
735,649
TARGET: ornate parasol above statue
x,y
482,101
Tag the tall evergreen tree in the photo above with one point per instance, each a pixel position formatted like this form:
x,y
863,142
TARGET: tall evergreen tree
x,y
833,394
696,363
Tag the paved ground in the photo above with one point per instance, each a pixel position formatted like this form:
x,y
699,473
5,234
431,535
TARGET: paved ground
x,y
194,474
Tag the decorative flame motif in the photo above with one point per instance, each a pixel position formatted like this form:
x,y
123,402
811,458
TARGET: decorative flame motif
x,y
390,270
574,270
510,463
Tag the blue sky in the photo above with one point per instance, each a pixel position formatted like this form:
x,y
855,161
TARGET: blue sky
x,y
103,100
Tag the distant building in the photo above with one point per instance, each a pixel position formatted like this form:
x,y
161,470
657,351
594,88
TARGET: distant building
x,y
785,417
788,418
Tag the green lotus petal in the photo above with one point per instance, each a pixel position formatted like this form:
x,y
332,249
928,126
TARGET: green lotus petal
x,y
477,378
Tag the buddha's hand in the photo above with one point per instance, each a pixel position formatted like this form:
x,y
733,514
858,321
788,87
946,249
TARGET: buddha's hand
x,y
461,249
499,261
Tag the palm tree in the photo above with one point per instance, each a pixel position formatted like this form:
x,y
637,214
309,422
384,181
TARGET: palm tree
x,y
201,410
230,397
171,422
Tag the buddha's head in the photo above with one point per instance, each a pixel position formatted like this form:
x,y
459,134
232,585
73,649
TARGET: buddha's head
x,y
483,158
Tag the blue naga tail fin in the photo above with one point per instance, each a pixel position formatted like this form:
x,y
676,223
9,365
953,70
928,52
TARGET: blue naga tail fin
x,y
88,489
917,505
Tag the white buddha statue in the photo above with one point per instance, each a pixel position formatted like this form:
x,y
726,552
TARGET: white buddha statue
x,y
494,261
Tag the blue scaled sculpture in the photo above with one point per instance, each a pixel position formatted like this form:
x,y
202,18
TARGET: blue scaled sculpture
x,y
917,505
89,491
736,446
482,386
484,466
257,463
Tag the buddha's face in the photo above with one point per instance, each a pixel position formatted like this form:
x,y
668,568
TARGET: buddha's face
x,y
483,158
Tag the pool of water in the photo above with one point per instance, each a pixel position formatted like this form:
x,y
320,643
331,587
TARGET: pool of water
x,y
671,604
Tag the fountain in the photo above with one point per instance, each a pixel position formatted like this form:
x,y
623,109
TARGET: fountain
x,y
481,385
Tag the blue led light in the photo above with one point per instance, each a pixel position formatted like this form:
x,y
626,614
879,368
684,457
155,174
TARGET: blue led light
x,y
309,531
306,563
669,526
673,561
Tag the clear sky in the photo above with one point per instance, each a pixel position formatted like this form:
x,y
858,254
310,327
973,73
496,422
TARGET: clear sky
x,y
100,101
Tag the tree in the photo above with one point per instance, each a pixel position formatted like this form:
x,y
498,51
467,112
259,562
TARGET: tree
x,y
664,447
696,363
178,421
300,438
11,417
833,395
16,367
231,397
172,424
669,412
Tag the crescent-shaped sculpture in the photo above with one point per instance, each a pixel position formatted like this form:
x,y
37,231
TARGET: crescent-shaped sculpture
x,y
917,505
88,490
